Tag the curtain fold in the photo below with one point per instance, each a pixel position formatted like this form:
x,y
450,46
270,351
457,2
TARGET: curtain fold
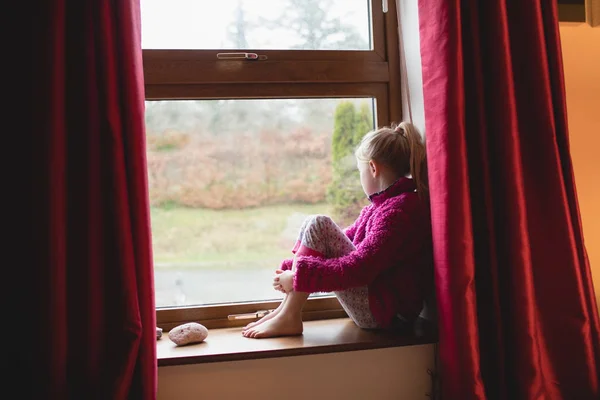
x,y
92,319
517,313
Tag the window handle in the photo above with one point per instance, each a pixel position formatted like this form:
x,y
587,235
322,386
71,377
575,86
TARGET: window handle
x,y
384,5
241,56
258,314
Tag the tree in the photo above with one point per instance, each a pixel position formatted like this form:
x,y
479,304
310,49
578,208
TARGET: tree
x,y
342,139
345,193
237,30
313,27
364,123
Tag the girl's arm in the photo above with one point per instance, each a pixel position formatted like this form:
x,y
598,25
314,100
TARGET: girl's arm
x,y
286,264
378,252
351,230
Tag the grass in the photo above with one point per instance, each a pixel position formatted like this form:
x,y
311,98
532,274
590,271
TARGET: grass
x,y
192,237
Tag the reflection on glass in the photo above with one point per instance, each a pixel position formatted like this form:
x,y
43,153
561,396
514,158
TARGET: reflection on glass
x,y
256,24
231,181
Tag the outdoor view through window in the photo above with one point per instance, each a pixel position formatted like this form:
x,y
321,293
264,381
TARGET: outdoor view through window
x,y
256,24
231,181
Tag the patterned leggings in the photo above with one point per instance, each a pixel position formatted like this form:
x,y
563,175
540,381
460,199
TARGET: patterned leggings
x,y
319,235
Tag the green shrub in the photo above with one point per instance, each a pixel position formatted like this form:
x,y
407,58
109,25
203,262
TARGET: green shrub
x,y
345,194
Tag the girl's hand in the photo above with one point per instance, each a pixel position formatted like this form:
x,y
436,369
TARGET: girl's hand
x,y
284,281
276,284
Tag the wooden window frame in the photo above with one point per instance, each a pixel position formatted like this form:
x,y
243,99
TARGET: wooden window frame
x,y
199,75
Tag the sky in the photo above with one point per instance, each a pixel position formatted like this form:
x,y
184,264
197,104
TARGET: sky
x,y
203,24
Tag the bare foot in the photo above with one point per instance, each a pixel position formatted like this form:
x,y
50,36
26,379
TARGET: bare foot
x,y
282,324
262,320
265,318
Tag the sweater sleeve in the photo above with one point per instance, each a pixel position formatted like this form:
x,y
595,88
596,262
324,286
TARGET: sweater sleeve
x,y
351,230
286,264
378,252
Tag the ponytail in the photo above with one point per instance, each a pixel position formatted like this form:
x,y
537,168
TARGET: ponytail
x,y
418,157
400,147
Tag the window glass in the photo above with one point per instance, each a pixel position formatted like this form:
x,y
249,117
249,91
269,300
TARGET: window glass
x,y
231,181
257,24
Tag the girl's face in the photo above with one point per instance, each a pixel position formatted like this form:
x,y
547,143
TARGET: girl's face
x,y
367,177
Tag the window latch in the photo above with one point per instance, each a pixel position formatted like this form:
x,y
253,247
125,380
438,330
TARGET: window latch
x,y
241,56
258,314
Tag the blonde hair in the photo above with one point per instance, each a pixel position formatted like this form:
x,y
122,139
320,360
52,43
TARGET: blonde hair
x,y
401,148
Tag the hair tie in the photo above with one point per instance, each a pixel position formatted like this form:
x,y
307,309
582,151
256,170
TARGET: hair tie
x,y
400,131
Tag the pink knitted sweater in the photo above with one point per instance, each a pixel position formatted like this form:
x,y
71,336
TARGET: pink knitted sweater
x,y
393,256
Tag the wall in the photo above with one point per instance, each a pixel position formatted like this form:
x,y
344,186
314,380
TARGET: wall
x,y
581,58
398,373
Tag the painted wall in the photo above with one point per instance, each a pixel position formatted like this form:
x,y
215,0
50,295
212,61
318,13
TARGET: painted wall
x,y
398,373
581,58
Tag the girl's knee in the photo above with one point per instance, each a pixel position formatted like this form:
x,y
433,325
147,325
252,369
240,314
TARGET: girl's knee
x,y
317,224
316,219
322,219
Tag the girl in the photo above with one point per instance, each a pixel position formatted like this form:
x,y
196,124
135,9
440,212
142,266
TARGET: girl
x,y
380,268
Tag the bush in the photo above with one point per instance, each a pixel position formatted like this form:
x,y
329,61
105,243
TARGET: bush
x,y
243,171
345,194
168,141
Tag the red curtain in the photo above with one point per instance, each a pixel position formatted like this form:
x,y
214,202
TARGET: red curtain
x,y
90,293
517,313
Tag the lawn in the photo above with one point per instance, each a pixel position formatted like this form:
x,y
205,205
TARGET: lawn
x,y
197,238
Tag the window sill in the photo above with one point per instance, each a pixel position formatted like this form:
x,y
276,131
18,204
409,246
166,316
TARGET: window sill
x,y
320,337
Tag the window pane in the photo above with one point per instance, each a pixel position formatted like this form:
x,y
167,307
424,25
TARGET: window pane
x,y
256,24
231,181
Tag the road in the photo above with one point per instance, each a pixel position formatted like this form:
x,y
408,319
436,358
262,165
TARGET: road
x,y
186,286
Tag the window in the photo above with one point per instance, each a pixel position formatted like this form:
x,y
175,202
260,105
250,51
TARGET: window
x,y
241,150
257,24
